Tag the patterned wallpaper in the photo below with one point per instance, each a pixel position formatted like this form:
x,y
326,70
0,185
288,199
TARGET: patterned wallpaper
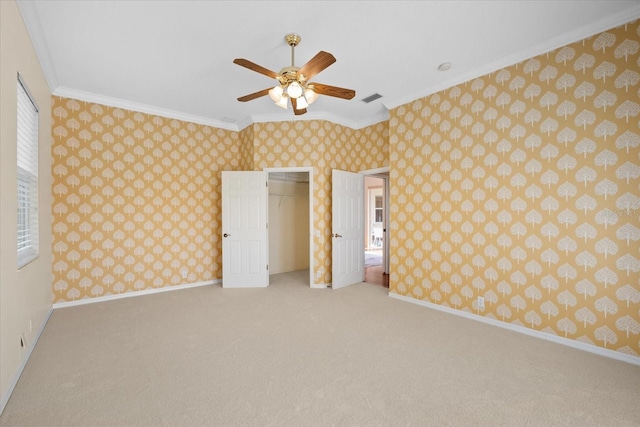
x,y
136,200
325,146
246,148
523,187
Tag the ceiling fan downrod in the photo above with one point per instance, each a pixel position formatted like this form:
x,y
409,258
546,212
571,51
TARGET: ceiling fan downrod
x,y
292,40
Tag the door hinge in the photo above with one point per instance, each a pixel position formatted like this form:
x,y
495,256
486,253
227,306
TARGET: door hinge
x,y
267,267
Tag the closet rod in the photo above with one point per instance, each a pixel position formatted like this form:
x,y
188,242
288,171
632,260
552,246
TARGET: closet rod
x,y
286,195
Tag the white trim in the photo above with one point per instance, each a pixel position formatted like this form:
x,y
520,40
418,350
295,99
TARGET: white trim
x,y
320,115
290,169
18,374
244,122
238,126
34,28
319,286
375,171
31,21
312,229
561,40
143,108
387,203
612,354
134,294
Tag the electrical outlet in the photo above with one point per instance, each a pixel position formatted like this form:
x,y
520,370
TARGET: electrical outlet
x,y
480,302
184,273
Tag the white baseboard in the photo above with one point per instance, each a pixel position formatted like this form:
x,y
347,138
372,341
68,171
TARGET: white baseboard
x,y
319,286
16,377
134,294
612,354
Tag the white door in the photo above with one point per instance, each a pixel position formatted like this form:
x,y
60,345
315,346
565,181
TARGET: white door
x,y
244,230
347,228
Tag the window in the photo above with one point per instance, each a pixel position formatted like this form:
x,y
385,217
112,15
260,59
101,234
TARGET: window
x,y
27,147
378,208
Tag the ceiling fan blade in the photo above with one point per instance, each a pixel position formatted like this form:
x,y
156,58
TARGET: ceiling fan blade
x,y
338,92
294,103
255,67
254,95
316,64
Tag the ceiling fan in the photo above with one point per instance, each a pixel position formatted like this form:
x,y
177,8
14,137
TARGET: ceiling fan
x,y
293,82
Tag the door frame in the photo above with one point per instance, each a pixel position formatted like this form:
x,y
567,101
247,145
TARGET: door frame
x,y
383,173
312,231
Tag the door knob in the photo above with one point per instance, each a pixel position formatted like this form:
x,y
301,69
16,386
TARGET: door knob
x,y
337,235
226,235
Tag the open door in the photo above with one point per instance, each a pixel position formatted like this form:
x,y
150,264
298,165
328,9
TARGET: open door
x,y
347,228
244,230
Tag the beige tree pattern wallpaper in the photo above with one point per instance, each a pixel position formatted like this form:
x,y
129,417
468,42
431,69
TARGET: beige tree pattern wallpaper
x,y
137,197
136,200
523,187
246,148
324,146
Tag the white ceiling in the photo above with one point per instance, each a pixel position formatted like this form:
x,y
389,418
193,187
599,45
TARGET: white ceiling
x,y
175,58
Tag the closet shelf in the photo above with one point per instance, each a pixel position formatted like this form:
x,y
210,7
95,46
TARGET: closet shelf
x,y
287,195
284,196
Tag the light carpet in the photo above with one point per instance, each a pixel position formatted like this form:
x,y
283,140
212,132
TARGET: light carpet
x,y
289,355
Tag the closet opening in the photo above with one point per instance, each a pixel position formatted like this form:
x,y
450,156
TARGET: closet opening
x,y
290,220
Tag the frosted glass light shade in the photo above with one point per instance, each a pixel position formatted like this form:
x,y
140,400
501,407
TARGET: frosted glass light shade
x,y
282,102
294,90
276,93
310,95
301,103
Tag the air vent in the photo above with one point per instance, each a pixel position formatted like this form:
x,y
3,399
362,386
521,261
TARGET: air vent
x,y
371,98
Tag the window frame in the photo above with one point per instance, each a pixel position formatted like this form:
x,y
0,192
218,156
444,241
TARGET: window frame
x,y
27,221
378,211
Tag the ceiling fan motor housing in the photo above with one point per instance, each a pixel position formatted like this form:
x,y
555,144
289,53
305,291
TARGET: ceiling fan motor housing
x,y
290,74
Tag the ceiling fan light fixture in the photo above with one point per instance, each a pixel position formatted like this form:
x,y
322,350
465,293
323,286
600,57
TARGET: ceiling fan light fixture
x,y
282,102
294,90
294,82
301,103
310,95
276,93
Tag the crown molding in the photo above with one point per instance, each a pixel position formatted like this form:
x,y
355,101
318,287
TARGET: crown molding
x,y
143,108
381,116
34,28
564,39
31,21
244,123
237,126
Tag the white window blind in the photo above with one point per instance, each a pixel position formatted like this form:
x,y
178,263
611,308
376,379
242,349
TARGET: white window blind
x,y
27,144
